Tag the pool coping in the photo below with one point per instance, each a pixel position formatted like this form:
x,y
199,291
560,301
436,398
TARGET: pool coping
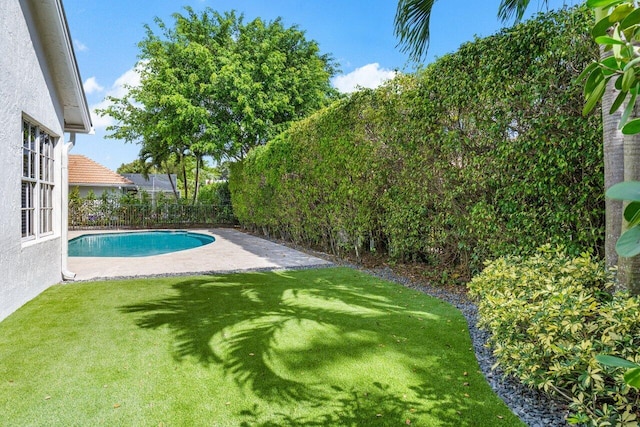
x,y
233,251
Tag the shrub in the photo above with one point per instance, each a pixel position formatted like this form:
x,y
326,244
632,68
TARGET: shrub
x,y
473,157
216,193
550,315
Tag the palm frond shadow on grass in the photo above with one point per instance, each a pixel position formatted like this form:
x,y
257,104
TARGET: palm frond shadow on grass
x,y
270,332
243,321
350,408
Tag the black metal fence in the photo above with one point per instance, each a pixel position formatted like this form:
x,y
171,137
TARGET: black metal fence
x,y
89,214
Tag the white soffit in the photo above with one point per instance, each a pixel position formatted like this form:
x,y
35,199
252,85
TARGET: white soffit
x,y
53,30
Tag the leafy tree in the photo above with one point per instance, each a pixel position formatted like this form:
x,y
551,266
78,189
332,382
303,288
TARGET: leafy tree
x,y
216,193
137,166
213,85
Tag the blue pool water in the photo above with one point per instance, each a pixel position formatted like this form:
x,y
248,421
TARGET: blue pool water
x,y
136,244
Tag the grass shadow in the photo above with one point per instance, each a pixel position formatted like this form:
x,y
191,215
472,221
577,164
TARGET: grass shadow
x,y
346,345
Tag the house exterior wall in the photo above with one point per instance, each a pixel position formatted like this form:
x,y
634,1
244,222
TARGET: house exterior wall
x,y
26,91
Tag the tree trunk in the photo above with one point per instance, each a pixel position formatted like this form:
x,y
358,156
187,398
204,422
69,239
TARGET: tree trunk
x,y
613,146
173,185
184,178
197,183
629,268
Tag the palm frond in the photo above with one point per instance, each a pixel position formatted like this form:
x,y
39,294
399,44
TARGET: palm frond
x,y
513,10
412,26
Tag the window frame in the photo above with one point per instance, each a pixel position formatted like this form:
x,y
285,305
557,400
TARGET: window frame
x,y
38,180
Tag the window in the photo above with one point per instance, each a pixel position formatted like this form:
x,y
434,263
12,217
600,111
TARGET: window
x,y
37,181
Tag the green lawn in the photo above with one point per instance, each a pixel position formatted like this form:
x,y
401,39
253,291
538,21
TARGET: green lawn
x,y
318,347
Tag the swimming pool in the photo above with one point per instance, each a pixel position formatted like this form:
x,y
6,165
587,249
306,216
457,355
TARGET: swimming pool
x,y
136,244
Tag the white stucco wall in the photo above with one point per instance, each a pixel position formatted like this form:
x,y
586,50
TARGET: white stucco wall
x,y
26,89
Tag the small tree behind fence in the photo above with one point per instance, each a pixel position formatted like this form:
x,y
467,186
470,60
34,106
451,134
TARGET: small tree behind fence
x,y
89,214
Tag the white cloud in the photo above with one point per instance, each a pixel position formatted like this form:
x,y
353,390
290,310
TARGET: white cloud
x,y
91,85
369,76
80,47
130,78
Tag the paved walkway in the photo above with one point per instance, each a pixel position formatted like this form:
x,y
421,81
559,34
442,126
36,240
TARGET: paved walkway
x,y
232,251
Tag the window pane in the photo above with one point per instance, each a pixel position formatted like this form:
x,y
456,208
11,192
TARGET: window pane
x,y
33,147
32,165
46,208
37,182
27,201
44,148
27,209
25,162
25,195
25,133
33,131
25,224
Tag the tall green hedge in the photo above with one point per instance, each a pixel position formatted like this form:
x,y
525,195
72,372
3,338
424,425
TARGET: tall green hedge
x,y
480,154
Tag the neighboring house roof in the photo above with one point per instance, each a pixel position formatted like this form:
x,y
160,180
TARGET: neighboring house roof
x,y
84,171
54,34
153,182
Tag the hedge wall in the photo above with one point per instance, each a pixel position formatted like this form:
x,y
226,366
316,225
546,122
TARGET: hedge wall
x,y
480,154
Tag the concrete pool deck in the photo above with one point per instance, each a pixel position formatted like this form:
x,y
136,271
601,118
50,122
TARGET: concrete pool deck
x,y
232,251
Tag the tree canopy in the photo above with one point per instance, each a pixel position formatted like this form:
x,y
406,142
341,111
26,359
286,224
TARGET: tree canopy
x,y
213,85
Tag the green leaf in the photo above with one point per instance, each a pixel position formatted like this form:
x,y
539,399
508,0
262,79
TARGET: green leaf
x,y
628,190
632,19
594,97
628,245
621,12
631,127
627,51
632,213
629,109
600,29
602,3
588,70
592,81
618,102
632,377
618,83
632,63
608,40
610,62
628,79
615,362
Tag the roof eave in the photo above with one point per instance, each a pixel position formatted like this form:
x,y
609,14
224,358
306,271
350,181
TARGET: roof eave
x,y
101,184
52,24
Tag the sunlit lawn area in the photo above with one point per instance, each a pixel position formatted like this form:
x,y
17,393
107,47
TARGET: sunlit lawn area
x,y
318,347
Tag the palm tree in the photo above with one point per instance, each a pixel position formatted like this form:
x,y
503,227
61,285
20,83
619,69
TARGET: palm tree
x,y
412,29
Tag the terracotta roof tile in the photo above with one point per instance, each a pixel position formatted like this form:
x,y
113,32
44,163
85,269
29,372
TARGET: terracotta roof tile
x,y
83,170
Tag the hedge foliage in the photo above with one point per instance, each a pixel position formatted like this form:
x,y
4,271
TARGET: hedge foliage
x,y
550,315
480,154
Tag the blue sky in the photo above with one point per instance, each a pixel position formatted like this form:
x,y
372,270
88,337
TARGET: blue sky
x,y
357,33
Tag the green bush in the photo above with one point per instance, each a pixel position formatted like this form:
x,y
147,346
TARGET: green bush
x,y
216,193
483,153
549,316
